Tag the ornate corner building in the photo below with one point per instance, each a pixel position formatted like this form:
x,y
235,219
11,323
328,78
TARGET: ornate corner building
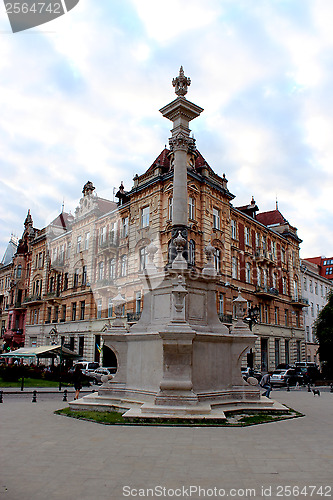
x,y
64,277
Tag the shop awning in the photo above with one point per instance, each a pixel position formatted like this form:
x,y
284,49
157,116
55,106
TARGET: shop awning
x,y
45,351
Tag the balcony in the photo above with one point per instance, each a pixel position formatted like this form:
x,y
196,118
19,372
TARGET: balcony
x,y
33,299
53,297
132,317
105,283
267,292
299,301
109,244
226,318
58,263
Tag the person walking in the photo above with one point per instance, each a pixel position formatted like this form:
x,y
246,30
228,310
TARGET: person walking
x,y
265,383
77,377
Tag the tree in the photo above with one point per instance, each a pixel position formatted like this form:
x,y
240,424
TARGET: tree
x,y
323,329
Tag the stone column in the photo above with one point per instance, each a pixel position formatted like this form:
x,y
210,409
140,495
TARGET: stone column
x,y
180,112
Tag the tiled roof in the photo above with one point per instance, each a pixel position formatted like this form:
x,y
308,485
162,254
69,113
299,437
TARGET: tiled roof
x,y
271,217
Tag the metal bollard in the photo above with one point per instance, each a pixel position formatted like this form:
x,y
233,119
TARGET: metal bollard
x,y
34,397
65,395
1,401
331,388
309,388
288,388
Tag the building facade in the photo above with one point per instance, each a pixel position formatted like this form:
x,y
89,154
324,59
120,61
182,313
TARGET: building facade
x,y
316,288
76,266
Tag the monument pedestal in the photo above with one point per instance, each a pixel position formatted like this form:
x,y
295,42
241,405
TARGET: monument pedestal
x,y
178,360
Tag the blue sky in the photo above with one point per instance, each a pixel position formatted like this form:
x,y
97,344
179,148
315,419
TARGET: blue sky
x,y
80,95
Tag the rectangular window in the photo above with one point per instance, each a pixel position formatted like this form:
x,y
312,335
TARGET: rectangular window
x,y
248,272
110,308
86,241
247,235
125,227
78,244
216,218
277,352
102,235
66,281
145,217
170,208
298,351
76,278
99,308
138,302
112,236
266,312
257,241
143,258
233,229
84,275
56,314
81,346
286,351
33,341
221,303
191,208
286,317
101,271
123,265
82,309
305,283
72,343
49,313
73,311
63,316
316,288
112,270
276,315
234,267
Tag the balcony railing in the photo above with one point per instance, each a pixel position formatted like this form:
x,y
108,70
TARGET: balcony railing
x,y
33,298
267,291
225,318
109,243
132,316
300,301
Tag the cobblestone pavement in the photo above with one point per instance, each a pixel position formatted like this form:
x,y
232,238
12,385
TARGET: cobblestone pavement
x,y
46,456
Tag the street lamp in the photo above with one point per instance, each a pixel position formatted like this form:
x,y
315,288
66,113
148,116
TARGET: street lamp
x,y
252,316
54,336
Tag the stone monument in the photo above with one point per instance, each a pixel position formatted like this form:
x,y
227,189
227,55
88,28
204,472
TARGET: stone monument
x,y
178,360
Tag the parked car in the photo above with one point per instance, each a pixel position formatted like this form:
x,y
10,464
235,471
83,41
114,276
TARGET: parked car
x,y
286,377
250,372
87,367
97,374
309,371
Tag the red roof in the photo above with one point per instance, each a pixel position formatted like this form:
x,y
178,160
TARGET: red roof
x,y
271,218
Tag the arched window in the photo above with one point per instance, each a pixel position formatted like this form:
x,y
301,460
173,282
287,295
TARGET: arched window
x,y
112,270
101,271
123,265
191,252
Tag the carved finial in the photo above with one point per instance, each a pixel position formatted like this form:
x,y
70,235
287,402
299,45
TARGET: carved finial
x,y
181,83
28,220
88,188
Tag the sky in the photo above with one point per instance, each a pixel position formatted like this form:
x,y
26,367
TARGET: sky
x,y
80,99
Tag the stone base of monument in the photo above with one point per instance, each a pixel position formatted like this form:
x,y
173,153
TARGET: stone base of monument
x,y
179,361
132,409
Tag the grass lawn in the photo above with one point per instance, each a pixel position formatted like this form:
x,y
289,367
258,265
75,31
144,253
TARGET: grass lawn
x,y
33,382
233,419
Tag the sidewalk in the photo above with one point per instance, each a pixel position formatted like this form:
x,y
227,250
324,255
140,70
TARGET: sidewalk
x,y
46,456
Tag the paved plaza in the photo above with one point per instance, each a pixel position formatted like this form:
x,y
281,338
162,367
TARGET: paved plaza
x,y
46,456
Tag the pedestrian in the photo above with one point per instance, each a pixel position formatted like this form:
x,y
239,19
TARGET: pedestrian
x,y
265,383
77,377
